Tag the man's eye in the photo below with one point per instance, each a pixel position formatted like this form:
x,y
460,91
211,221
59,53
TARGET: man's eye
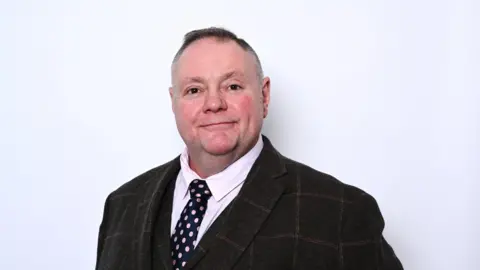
x,y
193,90
234,87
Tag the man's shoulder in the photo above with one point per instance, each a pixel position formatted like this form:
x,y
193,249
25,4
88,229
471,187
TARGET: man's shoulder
x,y
142,181
316,182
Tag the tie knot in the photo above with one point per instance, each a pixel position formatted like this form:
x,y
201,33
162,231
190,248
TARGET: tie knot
x,y
199,189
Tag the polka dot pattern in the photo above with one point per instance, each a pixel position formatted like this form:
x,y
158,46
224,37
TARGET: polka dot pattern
x,y
185,234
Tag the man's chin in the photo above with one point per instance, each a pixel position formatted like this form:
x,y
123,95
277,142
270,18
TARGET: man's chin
x,y
219,147
219,150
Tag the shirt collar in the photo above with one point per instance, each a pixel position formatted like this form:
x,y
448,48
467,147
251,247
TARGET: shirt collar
x,y
224,182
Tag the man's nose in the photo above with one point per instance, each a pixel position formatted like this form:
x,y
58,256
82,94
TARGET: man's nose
x,y
214,101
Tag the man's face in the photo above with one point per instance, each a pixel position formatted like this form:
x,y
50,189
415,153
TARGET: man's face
x,y
217,98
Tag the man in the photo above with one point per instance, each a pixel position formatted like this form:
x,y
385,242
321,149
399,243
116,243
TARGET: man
x,y
230,200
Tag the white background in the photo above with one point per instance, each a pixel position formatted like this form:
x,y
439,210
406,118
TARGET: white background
x,y
383,95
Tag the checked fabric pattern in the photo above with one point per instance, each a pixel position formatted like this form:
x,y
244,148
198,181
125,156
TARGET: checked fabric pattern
x,y
184,237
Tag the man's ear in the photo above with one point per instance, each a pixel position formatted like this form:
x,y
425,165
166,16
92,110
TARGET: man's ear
x,y
170,90
265,95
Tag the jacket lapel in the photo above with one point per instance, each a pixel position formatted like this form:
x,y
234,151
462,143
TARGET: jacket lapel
x,y
236,227
149,208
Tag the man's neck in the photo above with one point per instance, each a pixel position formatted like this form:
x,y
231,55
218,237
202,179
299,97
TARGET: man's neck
x,y
208,165
205,164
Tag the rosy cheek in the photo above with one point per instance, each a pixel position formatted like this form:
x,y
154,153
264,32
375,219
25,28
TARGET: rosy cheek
x,y
251,107
245,103
184,111
188,111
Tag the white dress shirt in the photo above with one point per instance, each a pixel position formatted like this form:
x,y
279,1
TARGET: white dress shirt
x,y
224,186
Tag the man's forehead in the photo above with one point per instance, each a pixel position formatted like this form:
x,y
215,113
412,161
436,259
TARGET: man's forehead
x,y
208,56
212,50
210,43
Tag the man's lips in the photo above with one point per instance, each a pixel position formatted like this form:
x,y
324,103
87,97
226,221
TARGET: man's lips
x,y
218,126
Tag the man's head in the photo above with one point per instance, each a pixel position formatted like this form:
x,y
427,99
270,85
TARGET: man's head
x,y
219,95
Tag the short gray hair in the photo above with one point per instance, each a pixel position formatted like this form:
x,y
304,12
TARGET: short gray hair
x,y
221,34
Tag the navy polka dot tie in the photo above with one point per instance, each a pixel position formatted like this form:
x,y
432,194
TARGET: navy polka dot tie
x,y
184,237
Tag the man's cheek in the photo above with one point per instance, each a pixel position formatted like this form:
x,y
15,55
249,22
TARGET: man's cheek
x,y
245,103
187,112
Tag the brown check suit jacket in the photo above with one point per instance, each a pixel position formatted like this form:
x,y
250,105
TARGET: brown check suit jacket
x,y
286,216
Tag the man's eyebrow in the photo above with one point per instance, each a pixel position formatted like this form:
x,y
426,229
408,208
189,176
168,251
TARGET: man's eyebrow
x,y
231,74
193,79
226,76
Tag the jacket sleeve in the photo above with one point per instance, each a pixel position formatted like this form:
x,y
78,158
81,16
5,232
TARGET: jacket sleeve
x,y
362,245
102,232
